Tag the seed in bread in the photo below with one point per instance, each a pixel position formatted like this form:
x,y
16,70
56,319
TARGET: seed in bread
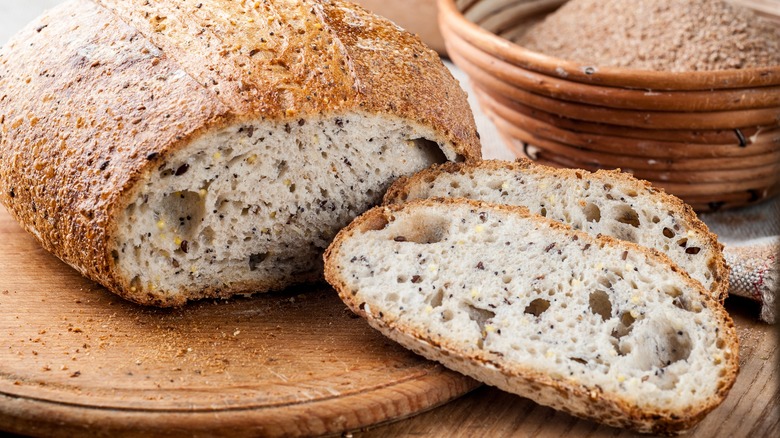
x,y
611,203
181,150
600,328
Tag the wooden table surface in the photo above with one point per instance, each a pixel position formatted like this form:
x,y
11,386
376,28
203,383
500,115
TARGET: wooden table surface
x,y
752,409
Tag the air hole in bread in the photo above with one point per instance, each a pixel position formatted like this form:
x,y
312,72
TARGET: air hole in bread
x,y
668,233
657,344
682,303
623,328
480,316
392,297
682,242
430,149
455,185
592,212
402,279
672,291
543,212
600,304
437,298
256,259
627,319
422,228
281,169
537,307
447,315
578,360
495,184
506,279
206,234
627,215
182,213
679,347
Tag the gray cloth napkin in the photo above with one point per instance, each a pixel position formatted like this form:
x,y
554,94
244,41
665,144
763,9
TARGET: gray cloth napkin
x,y
751,237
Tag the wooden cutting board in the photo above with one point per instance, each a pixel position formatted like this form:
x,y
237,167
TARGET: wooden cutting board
x,y
77,360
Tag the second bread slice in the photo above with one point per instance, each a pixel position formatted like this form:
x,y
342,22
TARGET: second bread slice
x,y
612,203
599,328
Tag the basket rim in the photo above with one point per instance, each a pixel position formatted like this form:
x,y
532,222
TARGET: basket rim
x,y
619,116
612,97
454,20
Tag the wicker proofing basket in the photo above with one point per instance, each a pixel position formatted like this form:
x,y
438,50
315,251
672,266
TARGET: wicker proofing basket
x,y
711,138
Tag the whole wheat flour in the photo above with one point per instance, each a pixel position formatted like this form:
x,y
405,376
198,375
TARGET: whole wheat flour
x,y
662,35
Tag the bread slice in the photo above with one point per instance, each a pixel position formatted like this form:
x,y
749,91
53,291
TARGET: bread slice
x,y
600,328
611,203
181,150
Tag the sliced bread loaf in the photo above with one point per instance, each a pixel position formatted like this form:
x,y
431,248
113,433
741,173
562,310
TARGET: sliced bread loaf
x,y
611,203
600,328
181,150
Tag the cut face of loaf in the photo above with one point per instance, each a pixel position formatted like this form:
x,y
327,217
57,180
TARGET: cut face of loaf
x,y
175,150
605,202
254,205
599,328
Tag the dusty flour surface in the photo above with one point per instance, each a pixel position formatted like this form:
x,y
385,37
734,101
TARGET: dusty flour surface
x,y
662,35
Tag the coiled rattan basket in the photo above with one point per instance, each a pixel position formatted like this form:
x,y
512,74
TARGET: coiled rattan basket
x,y
711,138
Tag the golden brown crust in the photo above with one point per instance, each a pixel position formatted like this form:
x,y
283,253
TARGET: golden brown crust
x,y
399,192
94,95
569,396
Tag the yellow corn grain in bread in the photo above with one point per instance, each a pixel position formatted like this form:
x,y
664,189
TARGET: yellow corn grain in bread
x,y
180,150
522,305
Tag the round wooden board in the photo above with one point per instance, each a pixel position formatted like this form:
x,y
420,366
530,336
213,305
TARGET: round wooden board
x,y
77,360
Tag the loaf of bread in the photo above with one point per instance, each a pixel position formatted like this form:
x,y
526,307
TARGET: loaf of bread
x,y
180,150
611,203
601,328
